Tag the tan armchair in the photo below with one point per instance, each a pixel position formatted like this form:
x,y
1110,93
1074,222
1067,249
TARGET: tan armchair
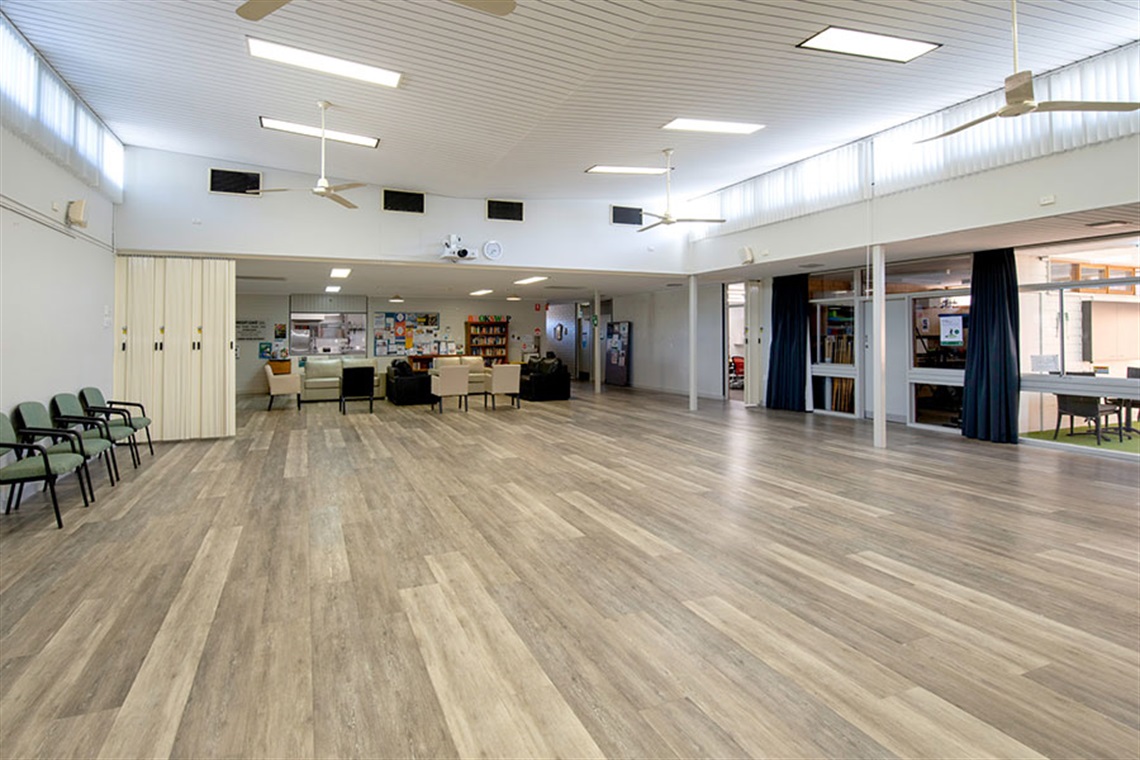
x,y
449,381
477,372
282,385
504,379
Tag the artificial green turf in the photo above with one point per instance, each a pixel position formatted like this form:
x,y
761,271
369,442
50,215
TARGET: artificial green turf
x,y
1130,445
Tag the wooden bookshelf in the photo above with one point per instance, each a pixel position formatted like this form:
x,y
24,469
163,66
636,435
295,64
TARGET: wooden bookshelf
x,y
489,340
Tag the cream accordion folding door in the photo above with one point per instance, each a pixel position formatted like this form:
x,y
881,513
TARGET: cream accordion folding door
x,y
174,343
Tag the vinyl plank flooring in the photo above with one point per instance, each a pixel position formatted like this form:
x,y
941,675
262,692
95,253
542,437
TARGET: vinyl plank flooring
x,y
609,576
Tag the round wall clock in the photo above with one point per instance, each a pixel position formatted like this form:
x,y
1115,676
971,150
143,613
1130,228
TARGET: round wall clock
x,y
492,249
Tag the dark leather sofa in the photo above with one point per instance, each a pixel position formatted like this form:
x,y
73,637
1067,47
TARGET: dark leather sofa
x,y
406,387
545,379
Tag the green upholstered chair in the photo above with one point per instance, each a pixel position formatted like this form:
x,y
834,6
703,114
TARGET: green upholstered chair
x,y
35,414
34,464
33,423
93,401
66,409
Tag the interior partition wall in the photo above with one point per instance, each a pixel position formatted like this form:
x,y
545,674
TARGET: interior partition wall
x,y
174,348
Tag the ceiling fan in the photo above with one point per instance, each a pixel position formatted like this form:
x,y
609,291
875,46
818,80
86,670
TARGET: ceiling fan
x,y
1019,96
255,10
667,217
323,188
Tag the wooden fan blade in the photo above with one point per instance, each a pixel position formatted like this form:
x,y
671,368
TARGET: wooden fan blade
x,y
255,10
959,128
493,7
1085,105
651,226
346,186
342,201
706,221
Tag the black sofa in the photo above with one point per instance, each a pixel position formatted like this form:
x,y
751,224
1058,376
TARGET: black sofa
x,y
545,380
406,387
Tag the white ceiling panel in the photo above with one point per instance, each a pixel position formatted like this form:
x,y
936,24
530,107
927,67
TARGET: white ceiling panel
x,y
519,106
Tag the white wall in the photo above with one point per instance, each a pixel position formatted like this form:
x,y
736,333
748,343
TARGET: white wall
x,y
453,314
168,209
56,285
660,343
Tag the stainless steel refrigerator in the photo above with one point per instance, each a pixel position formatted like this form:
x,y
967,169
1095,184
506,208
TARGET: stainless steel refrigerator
x,y
619,336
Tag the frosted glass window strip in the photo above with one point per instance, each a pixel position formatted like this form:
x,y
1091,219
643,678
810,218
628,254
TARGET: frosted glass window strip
x,y
18,71
57,108
113,162
1110,77
38,105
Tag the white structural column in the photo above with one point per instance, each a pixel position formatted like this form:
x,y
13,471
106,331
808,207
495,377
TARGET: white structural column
x,y
879,342
692,343
598,367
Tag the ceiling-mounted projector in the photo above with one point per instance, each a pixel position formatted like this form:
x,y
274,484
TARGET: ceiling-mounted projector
x,y
454,250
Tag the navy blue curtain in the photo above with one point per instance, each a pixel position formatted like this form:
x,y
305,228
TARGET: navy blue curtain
x,y
992,390
787,359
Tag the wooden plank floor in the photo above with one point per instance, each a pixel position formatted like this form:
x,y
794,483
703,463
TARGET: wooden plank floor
x,y
611,576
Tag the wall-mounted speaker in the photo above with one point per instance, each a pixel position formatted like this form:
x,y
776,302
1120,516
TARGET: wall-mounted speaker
x,y
625,215
401,200
231,182
510,211
77,214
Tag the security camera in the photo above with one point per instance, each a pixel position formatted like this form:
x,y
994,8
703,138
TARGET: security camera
x,y
454,250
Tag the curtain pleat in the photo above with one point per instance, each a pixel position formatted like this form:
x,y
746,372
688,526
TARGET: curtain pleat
x,y
787,360
992,387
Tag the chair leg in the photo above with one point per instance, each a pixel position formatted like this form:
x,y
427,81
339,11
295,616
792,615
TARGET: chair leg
x,y
150,445
1096,427
107,461
270,407
298,402
11,493
55,503
90,488
1057,432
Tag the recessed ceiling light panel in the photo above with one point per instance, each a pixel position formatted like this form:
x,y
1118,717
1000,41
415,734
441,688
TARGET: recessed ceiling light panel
x,y
332,288
531,280
327,64
330,134
600,169
339,273
867,45
484,292
719,127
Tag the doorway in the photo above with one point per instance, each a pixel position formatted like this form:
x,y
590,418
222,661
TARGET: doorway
x,y
734,341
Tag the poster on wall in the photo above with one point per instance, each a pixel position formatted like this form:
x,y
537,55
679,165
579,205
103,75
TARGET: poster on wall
x,y
951,329
264,350
250,329
397,333
279,331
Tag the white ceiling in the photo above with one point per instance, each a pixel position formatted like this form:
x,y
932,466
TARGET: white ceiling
x,y
518,107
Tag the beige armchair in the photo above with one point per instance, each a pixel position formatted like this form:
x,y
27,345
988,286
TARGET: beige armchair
x,y
449,381
504,379
477,372
282,385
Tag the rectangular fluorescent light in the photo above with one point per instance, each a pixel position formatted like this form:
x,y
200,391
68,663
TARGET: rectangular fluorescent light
x,y
339,273
531,280
271,51
599,169
331,134
514,298
483,292
881,46
332,288
720,127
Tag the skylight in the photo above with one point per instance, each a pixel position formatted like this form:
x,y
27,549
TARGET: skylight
x,y
867,45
